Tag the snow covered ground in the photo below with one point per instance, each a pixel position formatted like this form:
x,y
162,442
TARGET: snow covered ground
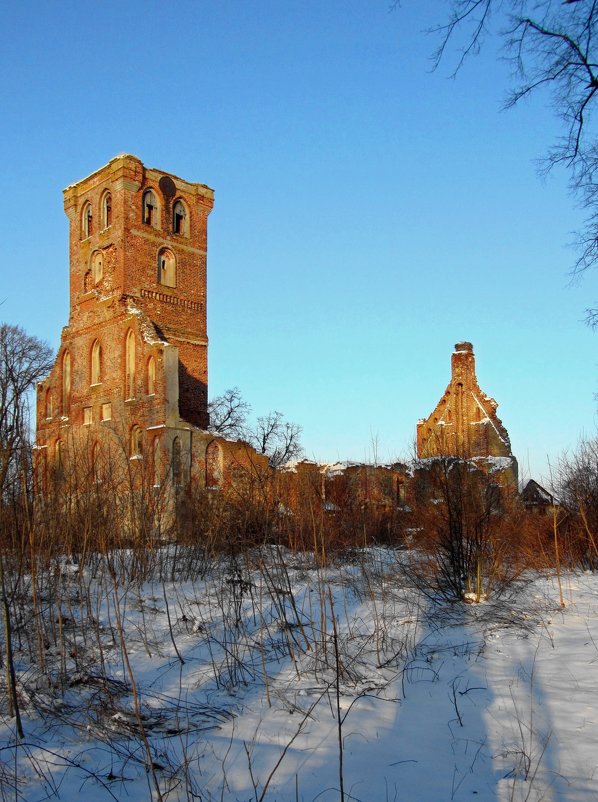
x,y
266,677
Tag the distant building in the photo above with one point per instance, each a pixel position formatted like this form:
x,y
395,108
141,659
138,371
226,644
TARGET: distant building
x,y
464,423
537,499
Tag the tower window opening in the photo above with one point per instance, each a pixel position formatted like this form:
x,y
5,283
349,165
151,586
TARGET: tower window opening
x,y
106,210
96,363
130,365
86,221
150,208
167,268
97,267
151,376
179,218
66,383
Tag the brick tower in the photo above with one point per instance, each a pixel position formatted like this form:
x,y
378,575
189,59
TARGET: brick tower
x,y
135,347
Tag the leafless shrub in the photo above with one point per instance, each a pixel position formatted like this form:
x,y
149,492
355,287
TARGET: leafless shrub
x,y
577,506
468,532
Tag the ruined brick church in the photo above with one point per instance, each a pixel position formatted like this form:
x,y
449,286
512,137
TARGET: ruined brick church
x,y
132,367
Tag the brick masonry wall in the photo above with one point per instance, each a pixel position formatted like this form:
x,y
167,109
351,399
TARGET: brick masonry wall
x,y
125,293
464,423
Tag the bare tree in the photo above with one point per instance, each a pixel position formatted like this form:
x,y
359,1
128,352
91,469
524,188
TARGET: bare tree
x,y
277,438
271,435
228,413
467,529
578,494
552,45
24,360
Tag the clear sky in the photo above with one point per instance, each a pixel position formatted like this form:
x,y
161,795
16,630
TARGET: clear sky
x,y
369,213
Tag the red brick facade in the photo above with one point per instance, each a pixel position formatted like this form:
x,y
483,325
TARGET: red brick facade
x,y
464,423
133,359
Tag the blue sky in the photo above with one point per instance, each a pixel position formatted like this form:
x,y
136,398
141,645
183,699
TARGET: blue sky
x,y
369,213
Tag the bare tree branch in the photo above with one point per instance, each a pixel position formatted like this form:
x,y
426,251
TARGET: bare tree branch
x,y
24,360
278,439
271,435
228,413
552,47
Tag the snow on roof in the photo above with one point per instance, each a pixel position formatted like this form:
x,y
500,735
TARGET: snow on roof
x,y
544,494
535,493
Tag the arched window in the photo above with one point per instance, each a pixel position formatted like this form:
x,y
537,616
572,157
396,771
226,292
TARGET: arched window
x,y
43,470
106,210
180,219
95,463
214,465
86,221
58,460
49,405
151,376
135,442
96,363
97,266
130,365
66,383
176,462
156,462
150,208
167,268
